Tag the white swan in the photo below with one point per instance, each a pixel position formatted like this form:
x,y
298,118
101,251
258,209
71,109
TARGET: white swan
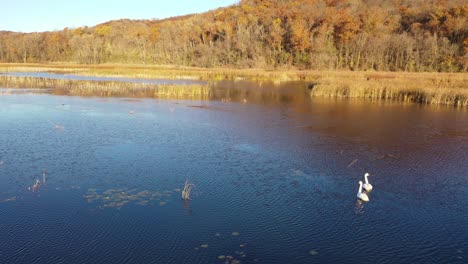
x,y
367,186
362,195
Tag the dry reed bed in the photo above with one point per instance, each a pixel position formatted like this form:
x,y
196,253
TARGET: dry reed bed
x,y
428,88
108,88
443,89
156,71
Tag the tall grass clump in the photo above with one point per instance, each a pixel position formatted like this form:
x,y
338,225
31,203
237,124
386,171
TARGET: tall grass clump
x,y
108,88
417,88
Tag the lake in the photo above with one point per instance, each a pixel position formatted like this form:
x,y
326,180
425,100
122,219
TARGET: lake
x,y
275,173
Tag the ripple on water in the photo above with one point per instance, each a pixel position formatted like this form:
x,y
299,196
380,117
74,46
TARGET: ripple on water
x,y
287,192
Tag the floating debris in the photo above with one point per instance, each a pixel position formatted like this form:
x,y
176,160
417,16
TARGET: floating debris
x,y
221,257
204,246
235,234
313,252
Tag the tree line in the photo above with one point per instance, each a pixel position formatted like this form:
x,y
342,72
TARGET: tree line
x,y
384,35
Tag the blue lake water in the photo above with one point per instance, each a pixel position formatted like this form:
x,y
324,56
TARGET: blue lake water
x,y
275,181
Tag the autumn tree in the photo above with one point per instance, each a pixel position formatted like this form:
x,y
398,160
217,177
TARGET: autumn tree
x,y
388,35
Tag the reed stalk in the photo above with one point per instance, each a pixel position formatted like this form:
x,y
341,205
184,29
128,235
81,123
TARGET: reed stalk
x,y
187,190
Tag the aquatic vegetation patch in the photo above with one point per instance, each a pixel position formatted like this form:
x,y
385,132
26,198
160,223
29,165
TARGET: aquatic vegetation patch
x,y
233,258
118,198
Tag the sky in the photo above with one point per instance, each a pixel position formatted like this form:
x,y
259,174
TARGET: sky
x,y
50,15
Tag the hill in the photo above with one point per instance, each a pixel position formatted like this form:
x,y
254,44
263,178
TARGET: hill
x,y
385,35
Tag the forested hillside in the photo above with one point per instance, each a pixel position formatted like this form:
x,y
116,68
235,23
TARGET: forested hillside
x,y
386,35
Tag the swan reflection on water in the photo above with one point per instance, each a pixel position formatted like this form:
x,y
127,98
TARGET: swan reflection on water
x,y
359,207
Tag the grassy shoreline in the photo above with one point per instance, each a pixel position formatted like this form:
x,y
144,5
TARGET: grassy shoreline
x,y
423,88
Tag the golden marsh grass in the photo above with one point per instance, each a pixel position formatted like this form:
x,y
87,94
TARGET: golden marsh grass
x,y
108,88
426,88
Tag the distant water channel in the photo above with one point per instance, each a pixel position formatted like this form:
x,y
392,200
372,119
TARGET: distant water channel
x,y
275,172
100,78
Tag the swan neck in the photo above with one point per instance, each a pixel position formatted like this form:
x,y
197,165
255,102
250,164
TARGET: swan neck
x,y
360,188
365,178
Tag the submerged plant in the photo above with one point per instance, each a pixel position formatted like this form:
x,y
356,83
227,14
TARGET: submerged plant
x,y
118,198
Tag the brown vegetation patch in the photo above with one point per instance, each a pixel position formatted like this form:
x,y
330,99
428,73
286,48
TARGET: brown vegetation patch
x,y
107,88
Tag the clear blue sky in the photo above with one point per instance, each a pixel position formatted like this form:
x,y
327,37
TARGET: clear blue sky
x,y
49,15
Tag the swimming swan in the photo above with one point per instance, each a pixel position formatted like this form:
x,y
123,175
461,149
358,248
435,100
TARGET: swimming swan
x,y
362,195
367,186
